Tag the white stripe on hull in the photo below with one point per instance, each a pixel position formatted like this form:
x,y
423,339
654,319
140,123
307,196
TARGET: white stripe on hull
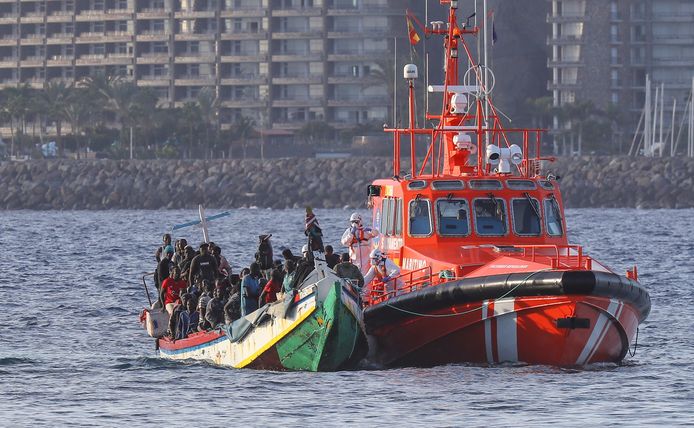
x,y
506,330
487,332
598,334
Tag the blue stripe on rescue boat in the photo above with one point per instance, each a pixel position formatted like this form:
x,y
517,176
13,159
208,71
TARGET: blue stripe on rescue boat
x,y
193,348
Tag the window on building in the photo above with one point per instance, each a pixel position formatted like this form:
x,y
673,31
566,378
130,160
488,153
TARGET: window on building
x,y
157,26
452,219
420,217
490,217
160,47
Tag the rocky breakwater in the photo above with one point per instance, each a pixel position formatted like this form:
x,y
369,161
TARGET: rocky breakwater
x,y
326,183
603,181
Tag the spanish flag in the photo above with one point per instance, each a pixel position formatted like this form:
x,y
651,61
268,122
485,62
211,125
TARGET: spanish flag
x,y
411,32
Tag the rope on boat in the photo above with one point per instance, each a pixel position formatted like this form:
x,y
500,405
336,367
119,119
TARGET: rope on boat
x,y
471,310
636,343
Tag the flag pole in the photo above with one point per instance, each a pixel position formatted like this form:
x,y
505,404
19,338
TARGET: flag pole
x,y
395,82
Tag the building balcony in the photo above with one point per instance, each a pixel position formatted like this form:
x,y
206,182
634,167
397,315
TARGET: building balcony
x,y
8,83
243,103
59,16
259,57
564,63
673,62
562,19
118,36
355,56
257,35
195,81
560,86
673,18
60,60
153,81
152,58
196,14
363,11
152,14
307,11
297,80
155,36
9,62
306,102
9,18
244,13
90,15
194,36
564,40
32,61
674,40
32,39
30,18
358,101
90,37
118,14
359,34
366,80
59,39
190,58
247,80
8,40
294,35
297,57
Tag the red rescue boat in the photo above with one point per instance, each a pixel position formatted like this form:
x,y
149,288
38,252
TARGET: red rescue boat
x,y
488,275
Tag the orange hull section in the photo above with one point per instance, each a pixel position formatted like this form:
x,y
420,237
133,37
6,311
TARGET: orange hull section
x,y
520,329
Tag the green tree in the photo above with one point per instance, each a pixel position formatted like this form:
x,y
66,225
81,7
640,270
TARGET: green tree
x,y
316,132
207,104
244,129
54,98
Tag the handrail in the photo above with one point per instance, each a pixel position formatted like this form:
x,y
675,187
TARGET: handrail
x,y
149,298
581,261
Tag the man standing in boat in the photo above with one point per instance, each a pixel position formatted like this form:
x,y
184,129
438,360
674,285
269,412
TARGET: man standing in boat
x,y
358,239
385,272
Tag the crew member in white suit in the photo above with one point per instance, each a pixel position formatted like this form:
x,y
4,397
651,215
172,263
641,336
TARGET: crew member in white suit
x,y
359,240
384,271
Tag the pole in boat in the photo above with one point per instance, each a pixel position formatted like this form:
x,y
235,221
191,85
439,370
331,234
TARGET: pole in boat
x,y
203,224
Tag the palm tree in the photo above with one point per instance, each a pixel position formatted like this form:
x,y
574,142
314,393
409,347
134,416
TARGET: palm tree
x,y
190,114
54,98
207,103
78,107
244,128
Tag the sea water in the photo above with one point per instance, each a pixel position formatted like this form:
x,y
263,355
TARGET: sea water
x,y
73,353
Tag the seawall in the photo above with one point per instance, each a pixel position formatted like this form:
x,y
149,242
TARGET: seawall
x,y
323,183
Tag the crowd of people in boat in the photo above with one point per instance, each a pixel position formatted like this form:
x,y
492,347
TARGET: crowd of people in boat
x,y
200,292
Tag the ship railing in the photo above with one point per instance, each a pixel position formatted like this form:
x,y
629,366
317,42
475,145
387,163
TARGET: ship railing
x,y
560,256
404,283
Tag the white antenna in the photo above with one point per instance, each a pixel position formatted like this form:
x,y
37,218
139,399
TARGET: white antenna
x,y
662,108
647,118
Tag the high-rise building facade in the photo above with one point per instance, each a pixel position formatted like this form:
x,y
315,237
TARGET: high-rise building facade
x,y
280,62
603,50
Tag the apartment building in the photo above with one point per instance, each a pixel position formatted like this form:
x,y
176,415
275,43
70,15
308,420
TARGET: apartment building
x,y
603,50
280,62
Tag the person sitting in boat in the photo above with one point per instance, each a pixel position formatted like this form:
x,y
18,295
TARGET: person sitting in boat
x,y
289,269
171,289
166,241
272,287
384,271
331,258
250,290
205,297
164,266
348,270
223,266
359,240
203,265
180,251
214,313
232,309
185,318
288,255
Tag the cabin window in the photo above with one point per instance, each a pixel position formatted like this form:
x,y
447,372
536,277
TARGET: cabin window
x,y
553,221
387,221
546,184
486,185
417,185
526,216
398,217
521,185
490,217
448,185
420,217
453,217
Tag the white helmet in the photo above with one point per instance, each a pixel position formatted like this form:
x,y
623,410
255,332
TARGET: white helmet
x,y
304,249
355,218
376,256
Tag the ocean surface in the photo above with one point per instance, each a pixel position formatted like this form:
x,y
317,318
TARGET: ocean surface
x,y
72,352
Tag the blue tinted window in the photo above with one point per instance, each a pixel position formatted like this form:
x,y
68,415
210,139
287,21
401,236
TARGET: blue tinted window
x,y
453,217
490,217
420,217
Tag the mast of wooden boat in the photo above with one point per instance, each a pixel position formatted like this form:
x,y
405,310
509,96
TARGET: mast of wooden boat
x,y
203,224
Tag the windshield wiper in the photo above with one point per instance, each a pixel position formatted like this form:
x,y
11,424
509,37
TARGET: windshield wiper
x,y
530,201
